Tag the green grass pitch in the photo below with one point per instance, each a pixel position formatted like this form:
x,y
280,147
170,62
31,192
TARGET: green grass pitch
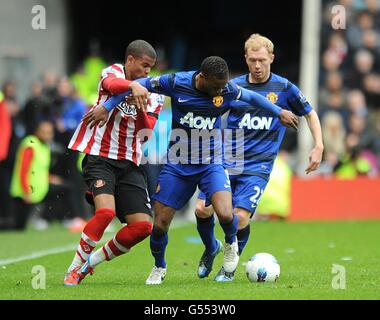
x,y
306,253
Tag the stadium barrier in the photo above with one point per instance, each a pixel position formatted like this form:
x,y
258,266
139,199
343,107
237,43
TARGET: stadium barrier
x,y
335,199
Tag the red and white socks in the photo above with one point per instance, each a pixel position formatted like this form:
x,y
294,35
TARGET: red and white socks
x,y
124,240
92,233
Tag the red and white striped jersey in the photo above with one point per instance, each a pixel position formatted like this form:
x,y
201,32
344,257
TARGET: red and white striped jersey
x,y
118,139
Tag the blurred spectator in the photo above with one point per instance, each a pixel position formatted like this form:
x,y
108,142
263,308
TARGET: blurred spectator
x,y
361,140
359,134
371,88
376,134
364,21
275,201
371,42
36,108
330,61
352,165
363,64
332,95
8,144
373,7
356,103
6,130
30,179
335,102
333,138
50,92
69,110
86,79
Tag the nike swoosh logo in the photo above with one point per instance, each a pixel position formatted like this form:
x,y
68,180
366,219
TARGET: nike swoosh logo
x,y
181,101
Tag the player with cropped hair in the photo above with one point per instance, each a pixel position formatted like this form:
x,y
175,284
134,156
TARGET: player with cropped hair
x,y
111,167
199,98
262,135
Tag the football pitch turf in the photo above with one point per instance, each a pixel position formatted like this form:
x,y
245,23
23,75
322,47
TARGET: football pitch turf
x,y
305,251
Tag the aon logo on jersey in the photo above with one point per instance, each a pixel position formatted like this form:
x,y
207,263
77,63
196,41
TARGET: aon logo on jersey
x,y
198,122
255,123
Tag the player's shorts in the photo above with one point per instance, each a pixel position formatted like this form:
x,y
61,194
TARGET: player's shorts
x,y
246,192
120,178
175,190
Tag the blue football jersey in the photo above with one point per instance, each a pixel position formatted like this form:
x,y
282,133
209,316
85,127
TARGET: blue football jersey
x,y
196,138
196,118
254,147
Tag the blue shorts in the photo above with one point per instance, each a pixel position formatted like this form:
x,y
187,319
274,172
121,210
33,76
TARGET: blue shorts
x,y
175,190
246,192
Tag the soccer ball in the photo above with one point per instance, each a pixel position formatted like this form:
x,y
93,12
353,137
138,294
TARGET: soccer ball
x,y
262,267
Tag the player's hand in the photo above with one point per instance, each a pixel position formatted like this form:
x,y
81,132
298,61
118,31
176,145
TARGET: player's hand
x,y
97,116
315,158
140,94
289,119
131,100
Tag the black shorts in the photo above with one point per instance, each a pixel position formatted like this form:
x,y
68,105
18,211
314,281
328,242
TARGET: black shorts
x,y
120,178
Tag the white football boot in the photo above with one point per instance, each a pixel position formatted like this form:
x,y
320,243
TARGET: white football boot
x,y
231,257
156,276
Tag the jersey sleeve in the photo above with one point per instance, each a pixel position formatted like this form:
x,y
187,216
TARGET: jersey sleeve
x,y
297,101
161,84
236,90
115,100
257,100
114,71
156,100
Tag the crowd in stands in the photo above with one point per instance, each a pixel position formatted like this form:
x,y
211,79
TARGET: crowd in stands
x,y
349,97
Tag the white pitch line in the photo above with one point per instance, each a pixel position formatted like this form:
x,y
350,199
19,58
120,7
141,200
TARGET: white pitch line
x,y
38,254
71,247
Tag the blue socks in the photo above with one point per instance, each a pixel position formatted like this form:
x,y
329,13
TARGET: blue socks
x,y
243,236
230,230
158,243
205,227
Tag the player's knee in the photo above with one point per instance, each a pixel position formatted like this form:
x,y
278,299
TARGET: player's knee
x,y
243,218
203,212
105,214
158,231
162,222
141,229
224,214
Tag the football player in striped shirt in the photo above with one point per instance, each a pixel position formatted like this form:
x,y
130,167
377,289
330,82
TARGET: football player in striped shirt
x,y
111,167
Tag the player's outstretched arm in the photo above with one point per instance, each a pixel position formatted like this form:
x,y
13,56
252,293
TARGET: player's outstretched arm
x,y
99,115
139,93
315,156
287,118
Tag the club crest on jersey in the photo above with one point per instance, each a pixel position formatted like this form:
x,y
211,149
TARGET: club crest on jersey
x,y
217,101
127,110
272,97
99,183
